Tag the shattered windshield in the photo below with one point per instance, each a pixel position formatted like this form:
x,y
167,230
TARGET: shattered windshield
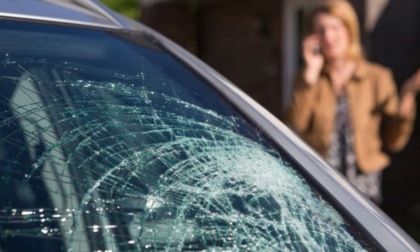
x,y
109,143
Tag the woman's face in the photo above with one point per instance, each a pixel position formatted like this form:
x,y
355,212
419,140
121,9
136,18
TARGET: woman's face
x,y
333,35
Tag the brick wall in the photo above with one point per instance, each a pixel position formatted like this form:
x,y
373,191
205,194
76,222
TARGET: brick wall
x,y
239,38
173,19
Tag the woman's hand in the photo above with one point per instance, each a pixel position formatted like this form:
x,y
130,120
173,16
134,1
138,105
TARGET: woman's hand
x,y
412,84
314,61
408,94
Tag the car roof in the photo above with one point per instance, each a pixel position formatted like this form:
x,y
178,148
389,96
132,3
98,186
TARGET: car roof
x,y
84,12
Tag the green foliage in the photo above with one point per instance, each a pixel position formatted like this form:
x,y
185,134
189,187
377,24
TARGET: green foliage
x,y
129,8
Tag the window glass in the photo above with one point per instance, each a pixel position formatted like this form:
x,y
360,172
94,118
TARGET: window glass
x,y
109,143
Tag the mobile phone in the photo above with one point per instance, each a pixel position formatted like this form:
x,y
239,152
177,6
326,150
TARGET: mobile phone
x,y
316,50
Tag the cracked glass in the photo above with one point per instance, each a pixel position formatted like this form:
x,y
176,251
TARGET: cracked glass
x,y
110,143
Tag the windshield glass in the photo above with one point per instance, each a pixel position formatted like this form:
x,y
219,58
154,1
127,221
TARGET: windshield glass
x,y
109,143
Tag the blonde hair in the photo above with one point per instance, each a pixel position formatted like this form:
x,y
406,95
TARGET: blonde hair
x,y
344,11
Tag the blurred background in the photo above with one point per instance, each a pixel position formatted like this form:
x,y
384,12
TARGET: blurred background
x,y
256,45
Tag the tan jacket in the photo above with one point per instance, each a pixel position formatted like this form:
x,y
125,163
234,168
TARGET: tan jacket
x,y
373,104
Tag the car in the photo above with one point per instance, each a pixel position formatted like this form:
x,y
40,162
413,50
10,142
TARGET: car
x,y
114,138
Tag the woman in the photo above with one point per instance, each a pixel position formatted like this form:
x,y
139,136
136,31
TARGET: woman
x,y
345,107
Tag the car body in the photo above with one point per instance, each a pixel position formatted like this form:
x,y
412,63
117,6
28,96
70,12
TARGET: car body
x,y
113,138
